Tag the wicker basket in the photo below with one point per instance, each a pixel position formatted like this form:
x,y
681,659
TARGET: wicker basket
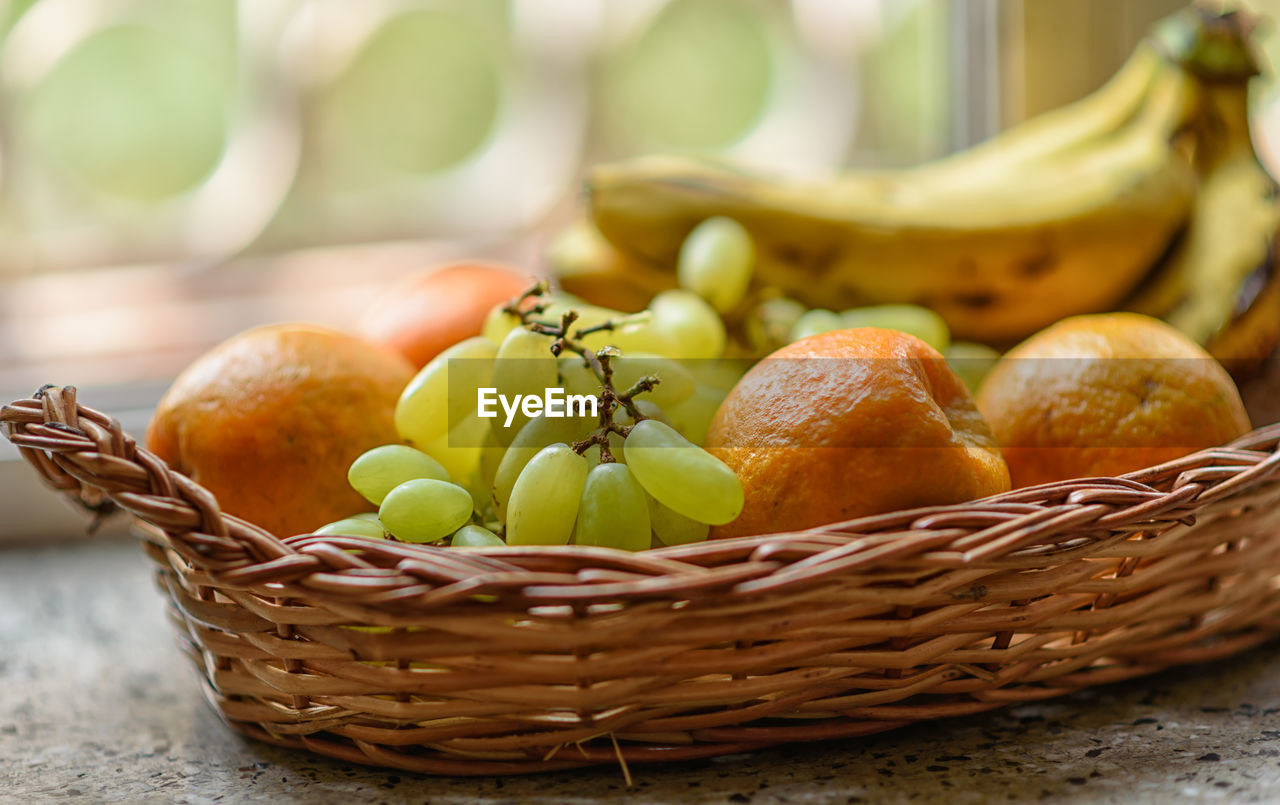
x,y
532,659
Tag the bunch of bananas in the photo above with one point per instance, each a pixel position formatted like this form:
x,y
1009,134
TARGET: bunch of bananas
x,y
1146,195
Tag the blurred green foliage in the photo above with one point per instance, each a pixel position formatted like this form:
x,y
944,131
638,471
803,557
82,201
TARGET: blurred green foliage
x,y
132,113
421,95
699,77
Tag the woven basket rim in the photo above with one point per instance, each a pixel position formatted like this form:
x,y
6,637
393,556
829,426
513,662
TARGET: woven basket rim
x,y
237,552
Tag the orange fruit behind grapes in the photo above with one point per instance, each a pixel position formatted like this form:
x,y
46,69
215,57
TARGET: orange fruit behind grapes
x,y
428,312
852,423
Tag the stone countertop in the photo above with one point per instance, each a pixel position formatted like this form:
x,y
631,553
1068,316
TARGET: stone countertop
x,y
97,704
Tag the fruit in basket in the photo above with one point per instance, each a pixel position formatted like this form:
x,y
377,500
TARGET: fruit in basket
x,y
270,420
682,476
425,510
613,512
378,471
354,527
769,323
972,362
672,528
814,322
696,330
544,502
429,311
715,262
524,365
1104,395
919,321
474,536
851,423
428,407
692,417
538,433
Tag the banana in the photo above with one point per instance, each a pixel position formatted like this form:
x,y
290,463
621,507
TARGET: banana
x,y
1253,330
1072,228
1221,284
1076,125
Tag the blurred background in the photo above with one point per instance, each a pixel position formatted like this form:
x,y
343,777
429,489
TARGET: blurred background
x,y
173,171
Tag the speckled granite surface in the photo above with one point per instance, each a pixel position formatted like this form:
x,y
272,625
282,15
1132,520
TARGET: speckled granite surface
x,y
96,704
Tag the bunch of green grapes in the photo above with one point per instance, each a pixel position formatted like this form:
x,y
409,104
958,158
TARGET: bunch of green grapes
x,y
468,478
632,479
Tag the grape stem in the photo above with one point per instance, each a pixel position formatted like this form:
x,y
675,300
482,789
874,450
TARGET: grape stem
x,y
599,361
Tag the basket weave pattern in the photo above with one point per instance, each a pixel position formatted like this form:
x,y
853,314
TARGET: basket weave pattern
x,y
529,659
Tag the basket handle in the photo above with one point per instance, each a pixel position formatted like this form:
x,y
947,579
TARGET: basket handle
x,y
86,455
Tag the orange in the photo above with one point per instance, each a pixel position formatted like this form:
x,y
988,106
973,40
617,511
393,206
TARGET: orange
x,y
270,419
1105,395
432,310
851,423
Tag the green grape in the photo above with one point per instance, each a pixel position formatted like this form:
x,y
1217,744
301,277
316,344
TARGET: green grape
x,y
681,475
588,315
524,366
544,501
474,536
647,408
376,472
675,382
423,414
815,322
356,526
695,328
577,377
971,362
481,500
715,262
491,455
459,450
637,333
769,325
498,324
674,529
425,510
613,512
370,516
921,322
722,374
467,375
537,434
692,418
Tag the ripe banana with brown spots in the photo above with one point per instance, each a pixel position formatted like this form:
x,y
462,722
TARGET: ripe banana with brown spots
x,y
1069,227
1221,284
